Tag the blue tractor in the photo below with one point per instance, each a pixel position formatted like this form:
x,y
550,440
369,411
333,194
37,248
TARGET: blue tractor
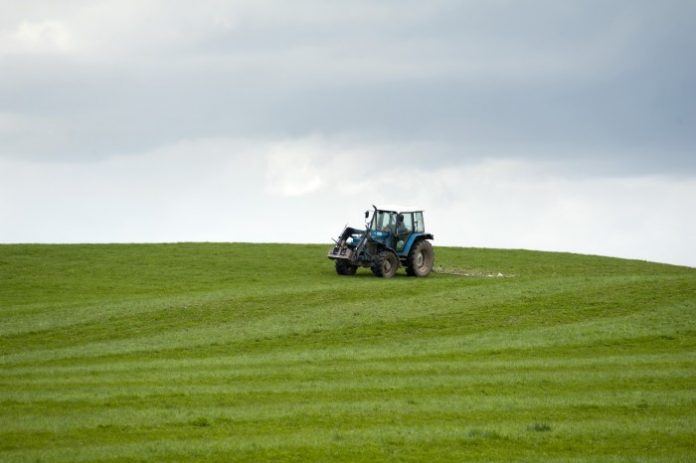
x,y
390,239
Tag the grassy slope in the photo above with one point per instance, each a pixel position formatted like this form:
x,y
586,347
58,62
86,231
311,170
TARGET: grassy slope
x,y
237,352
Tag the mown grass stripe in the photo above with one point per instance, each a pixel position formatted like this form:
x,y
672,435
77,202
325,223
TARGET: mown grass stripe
x,y
522,359
506,438
649,321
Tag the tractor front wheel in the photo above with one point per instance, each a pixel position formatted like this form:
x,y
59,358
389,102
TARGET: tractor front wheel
x,y
345,268
385,265
420,259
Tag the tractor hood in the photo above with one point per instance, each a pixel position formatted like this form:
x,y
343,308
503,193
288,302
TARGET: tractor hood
x,y
379,235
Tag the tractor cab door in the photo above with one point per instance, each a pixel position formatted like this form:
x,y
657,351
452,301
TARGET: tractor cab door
x,y
384,221
383,227
403,231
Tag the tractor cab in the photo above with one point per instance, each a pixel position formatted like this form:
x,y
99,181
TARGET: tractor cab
x,y
396,230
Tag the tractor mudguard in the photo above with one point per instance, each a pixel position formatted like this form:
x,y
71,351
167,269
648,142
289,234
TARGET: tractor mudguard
x,y
412,240
380,245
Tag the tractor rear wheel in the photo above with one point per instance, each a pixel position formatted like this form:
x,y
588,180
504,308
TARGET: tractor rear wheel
x,y
420,260
345,268
385,265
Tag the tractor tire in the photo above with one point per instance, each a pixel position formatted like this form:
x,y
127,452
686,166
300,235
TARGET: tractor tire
x,y
420,260
385,265
345,268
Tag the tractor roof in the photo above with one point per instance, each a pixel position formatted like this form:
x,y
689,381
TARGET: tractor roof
x,y
398,208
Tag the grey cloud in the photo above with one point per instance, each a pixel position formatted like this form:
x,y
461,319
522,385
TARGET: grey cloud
x,y
543,80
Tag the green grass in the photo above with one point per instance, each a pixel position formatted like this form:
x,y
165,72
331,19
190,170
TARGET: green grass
x,y
241,352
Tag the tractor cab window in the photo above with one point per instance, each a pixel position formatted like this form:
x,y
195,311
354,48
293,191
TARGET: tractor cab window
x,y
384,221
418,225
408,221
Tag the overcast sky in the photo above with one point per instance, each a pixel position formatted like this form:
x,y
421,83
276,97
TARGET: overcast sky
x,y
566,126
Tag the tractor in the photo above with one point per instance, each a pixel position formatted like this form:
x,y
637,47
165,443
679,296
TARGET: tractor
x,y
390,239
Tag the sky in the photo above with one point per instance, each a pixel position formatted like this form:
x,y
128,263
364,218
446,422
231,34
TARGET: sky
x,y
562,126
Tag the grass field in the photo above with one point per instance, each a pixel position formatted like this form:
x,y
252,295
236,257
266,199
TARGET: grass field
x,y
240,352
